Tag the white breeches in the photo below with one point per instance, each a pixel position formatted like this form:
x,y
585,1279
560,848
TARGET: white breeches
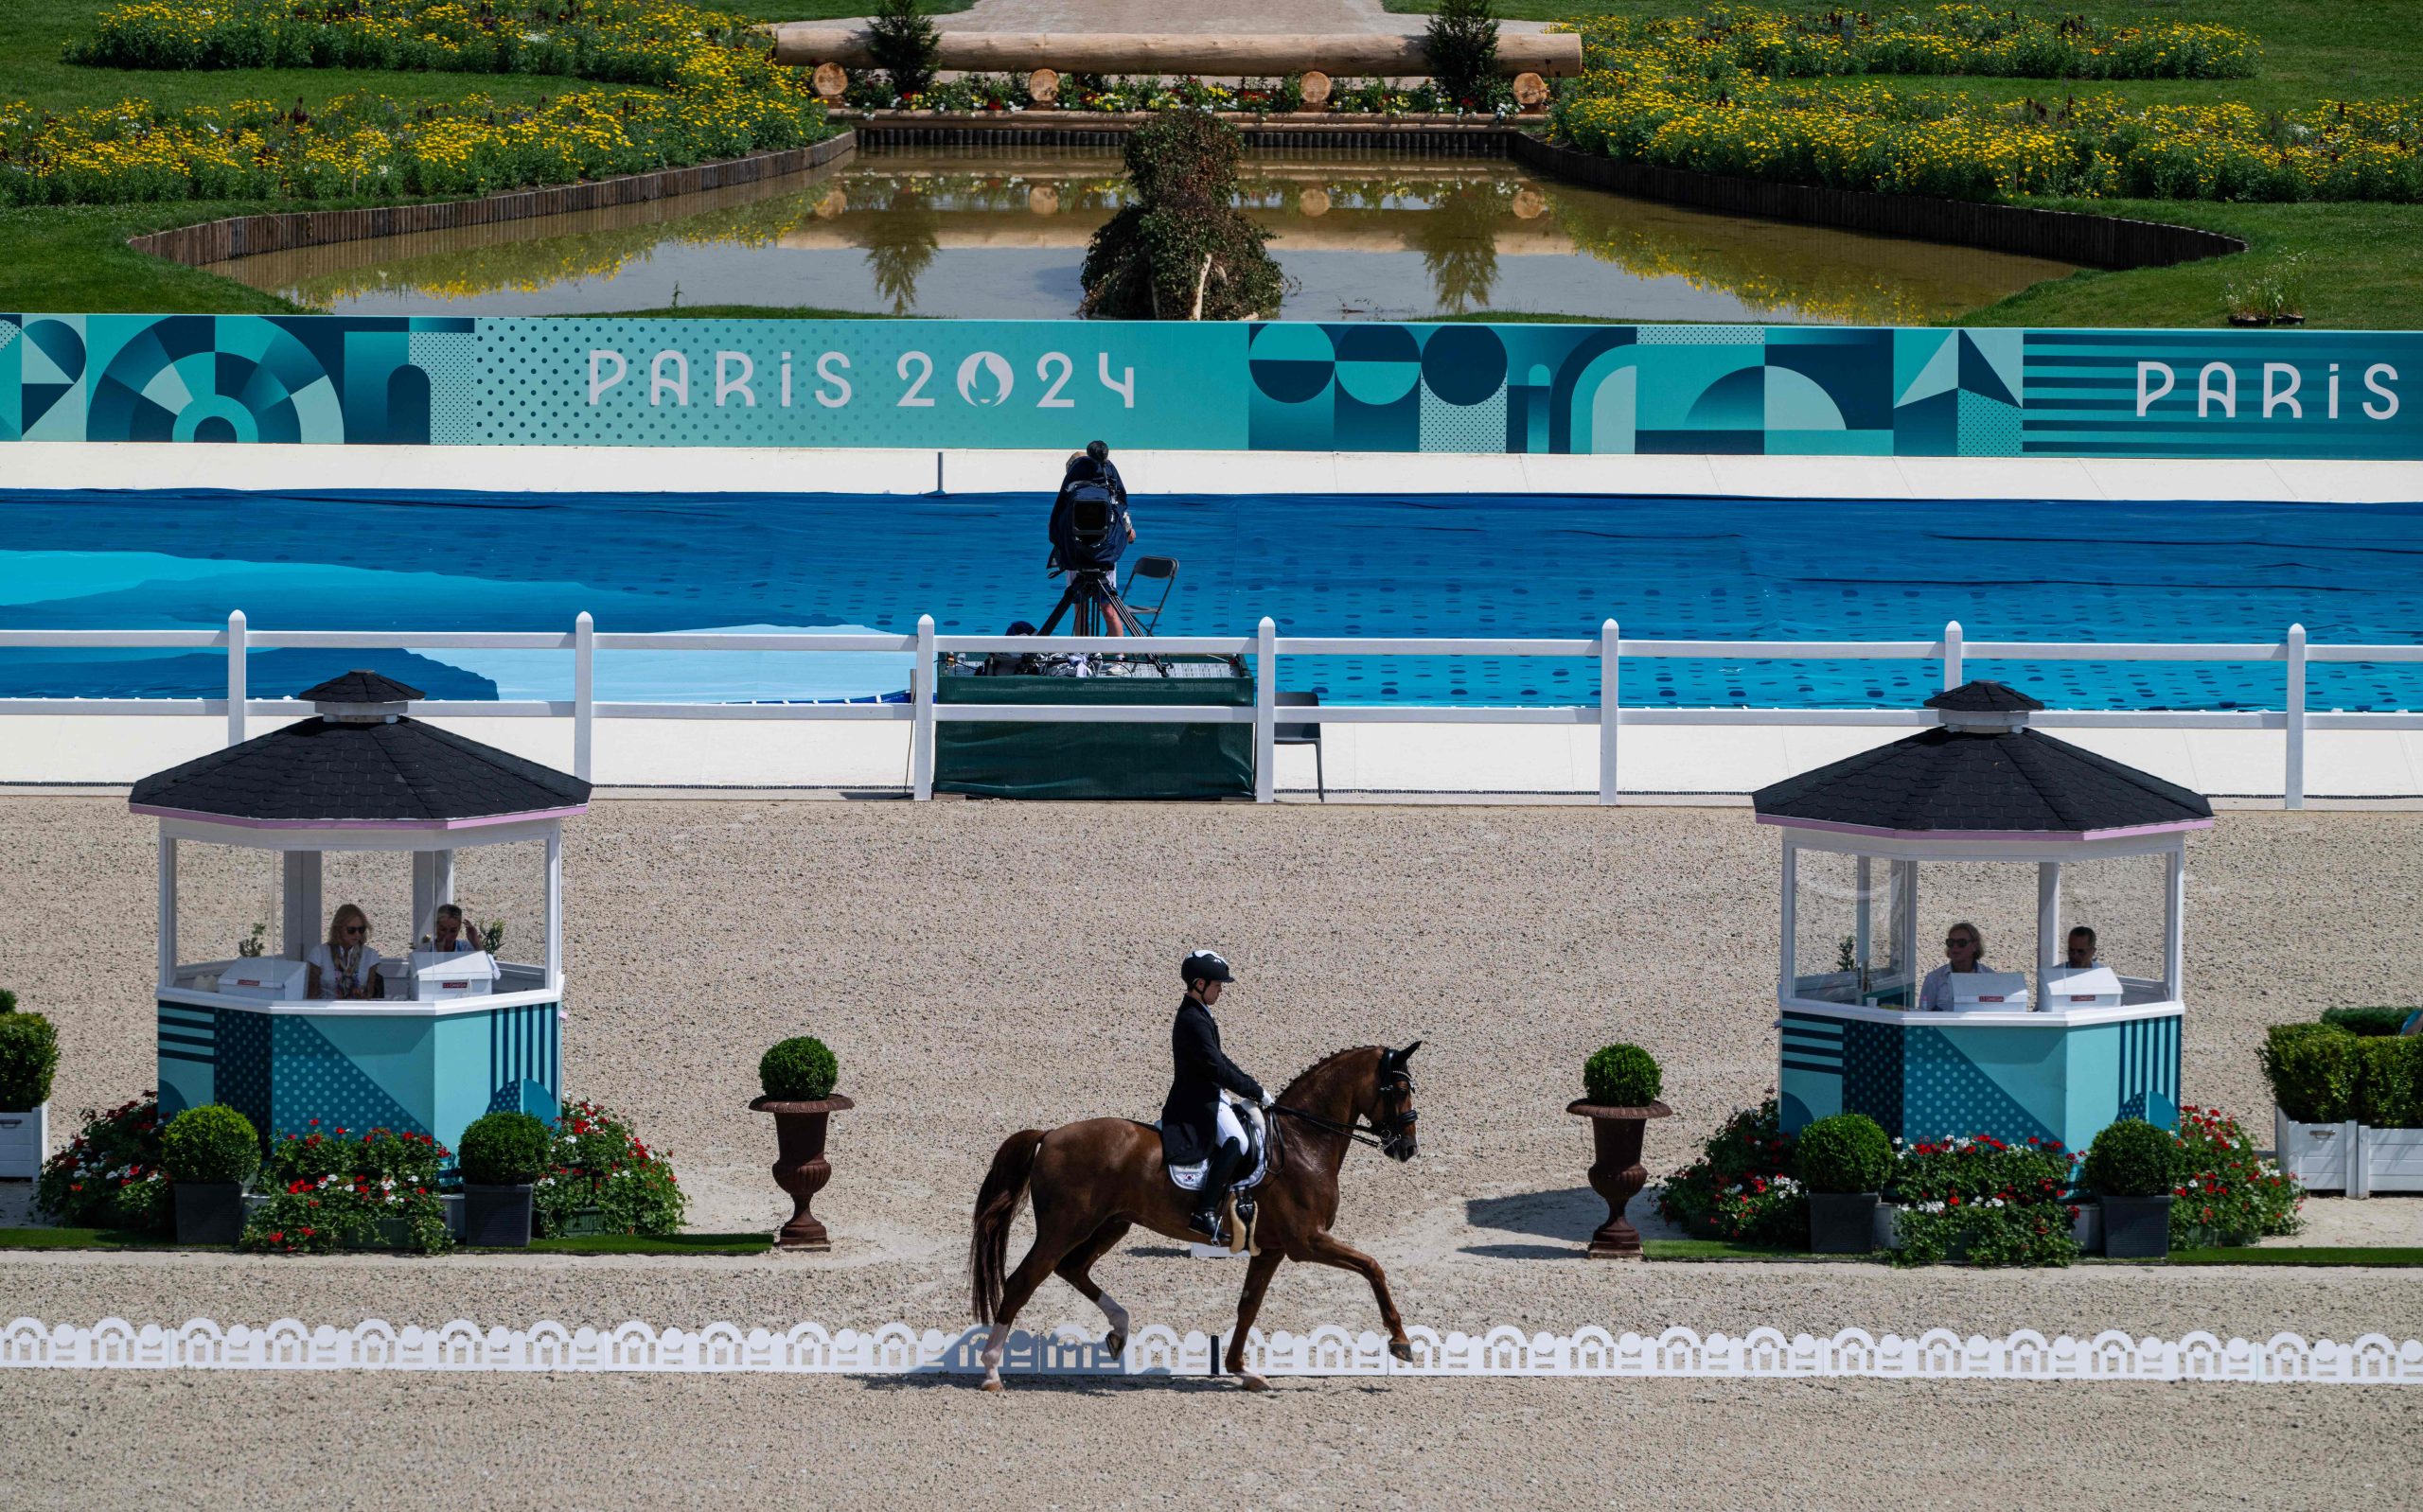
x,y
1228,1128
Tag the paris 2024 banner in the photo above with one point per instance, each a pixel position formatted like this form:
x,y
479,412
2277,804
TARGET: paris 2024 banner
x,y
1784,390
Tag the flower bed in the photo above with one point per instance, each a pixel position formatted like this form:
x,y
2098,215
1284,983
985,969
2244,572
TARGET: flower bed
x,y
1695,96
108,1176
726,100
604,1179
1978,1199
338,1190
1741,1187
2227,1193
985,93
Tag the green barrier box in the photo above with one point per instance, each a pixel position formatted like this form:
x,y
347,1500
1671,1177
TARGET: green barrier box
x,y
1065,760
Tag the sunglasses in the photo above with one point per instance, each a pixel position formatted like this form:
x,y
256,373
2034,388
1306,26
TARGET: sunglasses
x,y
357,929
1959,939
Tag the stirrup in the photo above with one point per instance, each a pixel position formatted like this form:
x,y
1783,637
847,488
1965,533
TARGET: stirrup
x,y
1204,1223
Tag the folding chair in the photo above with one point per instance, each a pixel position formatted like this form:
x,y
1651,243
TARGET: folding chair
x,y
1302,735
1163,567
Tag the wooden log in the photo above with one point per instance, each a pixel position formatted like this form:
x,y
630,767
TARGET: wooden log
x,y
1315,88
1043,86
1531,91
1350,55
830,81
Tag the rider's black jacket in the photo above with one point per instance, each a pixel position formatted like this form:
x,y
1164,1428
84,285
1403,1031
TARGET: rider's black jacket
x,y
1189,1113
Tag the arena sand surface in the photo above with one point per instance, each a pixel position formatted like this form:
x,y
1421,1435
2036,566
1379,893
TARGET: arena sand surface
x,y
983,968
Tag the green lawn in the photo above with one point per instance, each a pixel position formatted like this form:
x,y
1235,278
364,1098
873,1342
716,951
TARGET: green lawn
x,y
112,1238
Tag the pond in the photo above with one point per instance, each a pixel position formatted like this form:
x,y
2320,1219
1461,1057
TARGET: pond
x,y
1001,233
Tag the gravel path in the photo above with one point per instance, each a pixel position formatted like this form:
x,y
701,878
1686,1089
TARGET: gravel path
x,y
126,1440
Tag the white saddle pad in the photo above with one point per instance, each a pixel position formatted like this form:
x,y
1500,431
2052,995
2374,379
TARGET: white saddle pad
x,y
1190,1177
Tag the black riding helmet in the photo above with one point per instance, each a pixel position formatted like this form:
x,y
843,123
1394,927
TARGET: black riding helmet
x,y
1205,966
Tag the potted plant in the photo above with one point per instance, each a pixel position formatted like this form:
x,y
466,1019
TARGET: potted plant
x,y
1843,1162
29,1058
1621,1083
209,1153
502,1158
2130,1168
798,1077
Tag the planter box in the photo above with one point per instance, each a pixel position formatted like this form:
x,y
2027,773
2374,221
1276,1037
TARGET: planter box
x,y
2136,1228
451,1202
208,1212
495,1217
25,1138
2348,1157
1842,1224
2087,1229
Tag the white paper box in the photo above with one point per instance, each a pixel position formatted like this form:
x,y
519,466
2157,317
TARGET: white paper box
x,y
265,979
2096,987
1995,991
25,1138
439,978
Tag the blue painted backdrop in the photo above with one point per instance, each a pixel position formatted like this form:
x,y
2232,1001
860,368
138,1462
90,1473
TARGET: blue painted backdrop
x,y
1282,386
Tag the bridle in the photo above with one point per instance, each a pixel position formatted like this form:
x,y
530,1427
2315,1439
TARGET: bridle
x,y
1387,1137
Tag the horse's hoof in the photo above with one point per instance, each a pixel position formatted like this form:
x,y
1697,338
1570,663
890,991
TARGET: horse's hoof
x,y
1252,1382
1402,1349
992,1383
1115,1345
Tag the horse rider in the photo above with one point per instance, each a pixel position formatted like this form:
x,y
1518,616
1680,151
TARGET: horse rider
x,y
1197,1123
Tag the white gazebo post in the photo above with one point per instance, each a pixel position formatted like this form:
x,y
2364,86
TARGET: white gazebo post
x,y
300,908
2049,952
168,912
555,908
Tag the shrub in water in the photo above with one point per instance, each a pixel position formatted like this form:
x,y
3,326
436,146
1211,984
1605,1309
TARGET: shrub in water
x,y
1461,45
2368,1022
29,1058
108,1176
903,45
797,1070
212,1143
1848,1153
506,1149
2131,1158
1183,251
1623,1076
1740,1188
2313,1071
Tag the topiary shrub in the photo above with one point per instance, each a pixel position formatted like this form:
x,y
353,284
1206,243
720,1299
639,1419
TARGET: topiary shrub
x,y
2313,1071
1848,1153
29,1058
1183,251
212,1143
2133,1158
797,1070
506,1149
8,1001
1623,1076
2368,1023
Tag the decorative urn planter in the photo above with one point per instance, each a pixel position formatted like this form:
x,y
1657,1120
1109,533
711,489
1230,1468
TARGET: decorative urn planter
x,y
209,1212
1842,1222
1616,1174
2136,1228
800,1166
496,1217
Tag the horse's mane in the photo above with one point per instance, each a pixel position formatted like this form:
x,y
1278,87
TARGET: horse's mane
x,y
1312,1074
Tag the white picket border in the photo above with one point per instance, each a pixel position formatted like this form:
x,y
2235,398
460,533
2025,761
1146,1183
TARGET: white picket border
x,y
808,1348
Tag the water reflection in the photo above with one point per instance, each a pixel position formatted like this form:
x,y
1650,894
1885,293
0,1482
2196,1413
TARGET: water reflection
x,y
960,232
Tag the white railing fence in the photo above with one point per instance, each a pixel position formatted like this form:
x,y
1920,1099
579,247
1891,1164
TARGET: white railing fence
x,y
1269,650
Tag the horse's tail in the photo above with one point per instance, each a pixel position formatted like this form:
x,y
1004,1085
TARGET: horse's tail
x,y
997,1204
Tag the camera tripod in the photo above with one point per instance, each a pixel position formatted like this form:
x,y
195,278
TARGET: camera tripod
x,y
1093,592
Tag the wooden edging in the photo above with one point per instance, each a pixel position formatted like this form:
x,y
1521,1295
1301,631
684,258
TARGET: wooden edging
x,y
2065,236
283,231
2091,241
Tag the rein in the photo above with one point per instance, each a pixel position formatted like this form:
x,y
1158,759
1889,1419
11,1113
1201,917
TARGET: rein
x,y
1372,1134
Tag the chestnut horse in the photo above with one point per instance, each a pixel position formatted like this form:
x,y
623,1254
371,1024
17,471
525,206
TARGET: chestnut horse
x,y
1093,1180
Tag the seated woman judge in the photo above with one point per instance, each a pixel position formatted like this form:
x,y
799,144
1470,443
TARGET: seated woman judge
x,y
1964,949
346,967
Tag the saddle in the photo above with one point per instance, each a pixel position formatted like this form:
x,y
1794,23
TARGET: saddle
x,y
1189,1177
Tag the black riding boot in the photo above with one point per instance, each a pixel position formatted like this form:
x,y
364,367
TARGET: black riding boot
x,y
1218,1171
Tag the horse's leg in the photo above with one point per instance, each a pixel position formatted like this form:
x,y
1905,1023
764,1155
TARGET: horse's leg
x,y
1053,1240
1258,1274
1323,1248
1075,1270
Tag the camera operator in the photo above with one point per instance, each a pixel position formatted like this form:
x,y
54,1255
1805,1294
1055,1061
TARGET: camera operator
x,y
1091,528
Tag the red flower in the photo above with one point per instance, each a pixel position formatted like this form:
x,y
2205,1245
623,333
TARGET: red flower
x,y
277,1237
